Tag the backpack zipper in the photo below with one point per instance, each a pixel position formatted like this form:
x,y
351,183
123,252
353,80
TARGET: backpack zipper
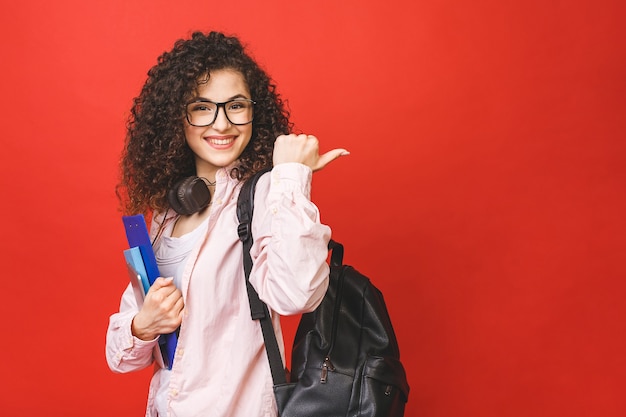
x,y
328,365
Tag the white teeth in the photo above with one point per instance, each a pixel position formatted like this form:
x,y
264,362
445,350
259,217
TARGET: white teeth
x,y
221,141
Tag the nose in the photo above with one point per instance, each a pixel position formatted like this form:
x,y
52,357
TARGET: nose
x,y
221,121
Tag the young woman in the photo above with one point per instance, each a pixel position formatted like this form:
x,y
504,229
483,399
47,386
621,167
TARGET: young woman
x,y
208,110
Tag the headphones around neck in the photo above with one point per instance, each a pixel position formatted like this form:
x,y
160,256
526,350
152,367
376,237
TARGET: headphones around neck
x,y
189,195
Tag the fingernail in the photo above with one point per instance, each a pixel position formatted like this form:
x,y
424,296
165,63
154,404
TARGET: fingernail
x,y
344,153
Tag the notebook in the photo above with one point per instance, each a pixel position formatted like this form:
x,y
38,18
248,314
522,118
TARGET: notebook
x,y
138,237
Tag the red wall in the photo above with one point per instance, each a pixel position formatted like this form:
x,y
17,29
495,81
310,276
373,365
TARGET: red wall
x,y
484,194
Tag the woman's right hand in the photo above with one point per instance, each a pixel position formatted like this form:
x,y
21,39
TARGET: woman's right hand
x,y
162,310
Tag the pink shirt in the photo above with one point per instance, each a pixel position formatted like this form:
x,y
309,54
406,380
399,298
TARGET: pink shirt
x,y
220,367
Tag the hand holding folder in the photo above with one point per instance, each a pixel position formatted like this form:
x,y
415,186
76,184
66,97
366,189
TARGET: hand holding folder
x,y
139,242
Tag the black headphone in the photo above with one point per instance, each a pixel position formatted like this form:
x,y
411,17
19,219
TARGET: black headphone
x,y
189,195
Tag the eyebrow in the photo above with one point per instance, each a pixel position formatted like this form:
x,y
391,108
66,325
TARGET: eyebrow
x,y
236,96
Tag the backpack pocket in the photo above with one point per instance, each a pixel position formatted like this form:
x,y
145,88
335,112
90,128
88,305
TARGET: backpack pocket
x,y
310,397
384,388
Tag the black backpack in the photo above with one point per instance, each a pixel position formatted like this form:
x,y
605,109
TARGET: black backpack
x,y
345,358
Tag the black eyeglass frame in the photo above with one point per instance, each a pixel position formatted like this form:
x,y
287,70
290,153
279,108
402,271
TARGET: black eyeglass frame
x,y
223,106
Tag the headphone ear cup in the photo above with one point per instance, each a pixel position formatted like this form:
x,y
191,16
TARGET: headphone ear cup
x,y
189,195
172,198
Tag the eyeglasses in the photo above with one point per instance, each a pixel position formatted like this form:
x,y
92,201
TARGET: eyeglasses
x,y
239,111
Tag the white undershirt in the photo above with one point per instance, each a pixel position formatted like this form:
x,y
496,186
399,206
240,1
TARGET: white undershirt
x,y
171,254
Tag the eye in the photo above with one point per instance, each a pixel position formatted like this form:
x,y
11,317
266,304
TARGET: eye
x,y
238,105
201,108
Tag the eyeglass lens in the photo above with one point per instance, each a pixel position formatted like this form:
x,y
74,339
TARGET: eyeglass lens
x,y
204,113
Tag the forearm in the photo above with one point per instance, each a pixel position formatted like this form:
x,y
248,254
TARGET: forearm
x,y
125,352
290,271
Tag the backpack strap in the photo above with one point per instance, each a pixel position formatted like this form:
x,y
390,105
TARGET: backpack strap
x,y
258,309
336,255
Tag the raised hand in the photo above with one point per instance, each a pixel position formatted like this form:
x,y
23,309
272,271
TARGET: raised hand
x,y
305,150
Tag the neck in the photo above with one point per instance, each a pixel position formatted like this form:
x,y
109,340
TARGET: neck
x,y
207,175
209,182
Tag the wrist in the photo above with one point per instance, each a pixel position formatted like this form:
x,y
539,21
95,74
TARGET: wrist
x,y
140,331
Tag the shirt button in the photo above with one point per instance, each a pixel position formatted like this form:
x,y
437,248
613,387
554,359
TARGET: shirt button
x,y
174,393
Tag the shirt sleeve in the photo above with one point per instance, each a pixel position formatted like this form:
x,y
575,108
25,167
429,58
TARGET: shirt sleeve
x,y
290,247
125,352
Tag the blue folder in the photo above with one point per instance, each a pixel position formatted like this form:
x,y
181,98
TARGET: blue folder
x,y
135,260
138,236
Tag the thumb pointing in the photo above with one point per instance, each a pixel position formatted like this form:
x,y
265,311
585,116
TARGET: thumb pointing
x,y
328,157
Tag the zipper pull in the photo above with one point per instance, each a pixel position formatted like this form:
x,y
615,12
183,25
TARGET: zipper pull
x,y
326,366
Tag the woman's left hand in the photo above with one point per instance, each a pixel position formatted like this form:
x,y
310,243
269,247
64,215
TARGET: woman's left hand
x,y
303,149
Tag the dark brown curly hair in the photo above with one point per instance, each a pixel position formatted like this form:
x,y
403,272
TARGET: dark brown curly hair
x,y
156,154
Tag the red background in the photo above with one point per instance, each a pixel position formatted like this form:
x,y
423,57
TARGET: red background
x,y
484,194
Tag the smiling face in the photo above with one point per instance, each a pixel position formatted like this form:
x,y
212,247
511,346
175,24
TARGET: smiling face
x,y
221,143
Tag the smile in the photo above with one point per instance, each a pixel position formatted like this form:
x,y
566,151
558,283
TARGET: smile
x,y
220,141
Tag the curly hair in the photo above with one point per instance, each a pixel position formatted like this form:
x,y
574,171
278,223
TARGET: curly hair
x,y
156,154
